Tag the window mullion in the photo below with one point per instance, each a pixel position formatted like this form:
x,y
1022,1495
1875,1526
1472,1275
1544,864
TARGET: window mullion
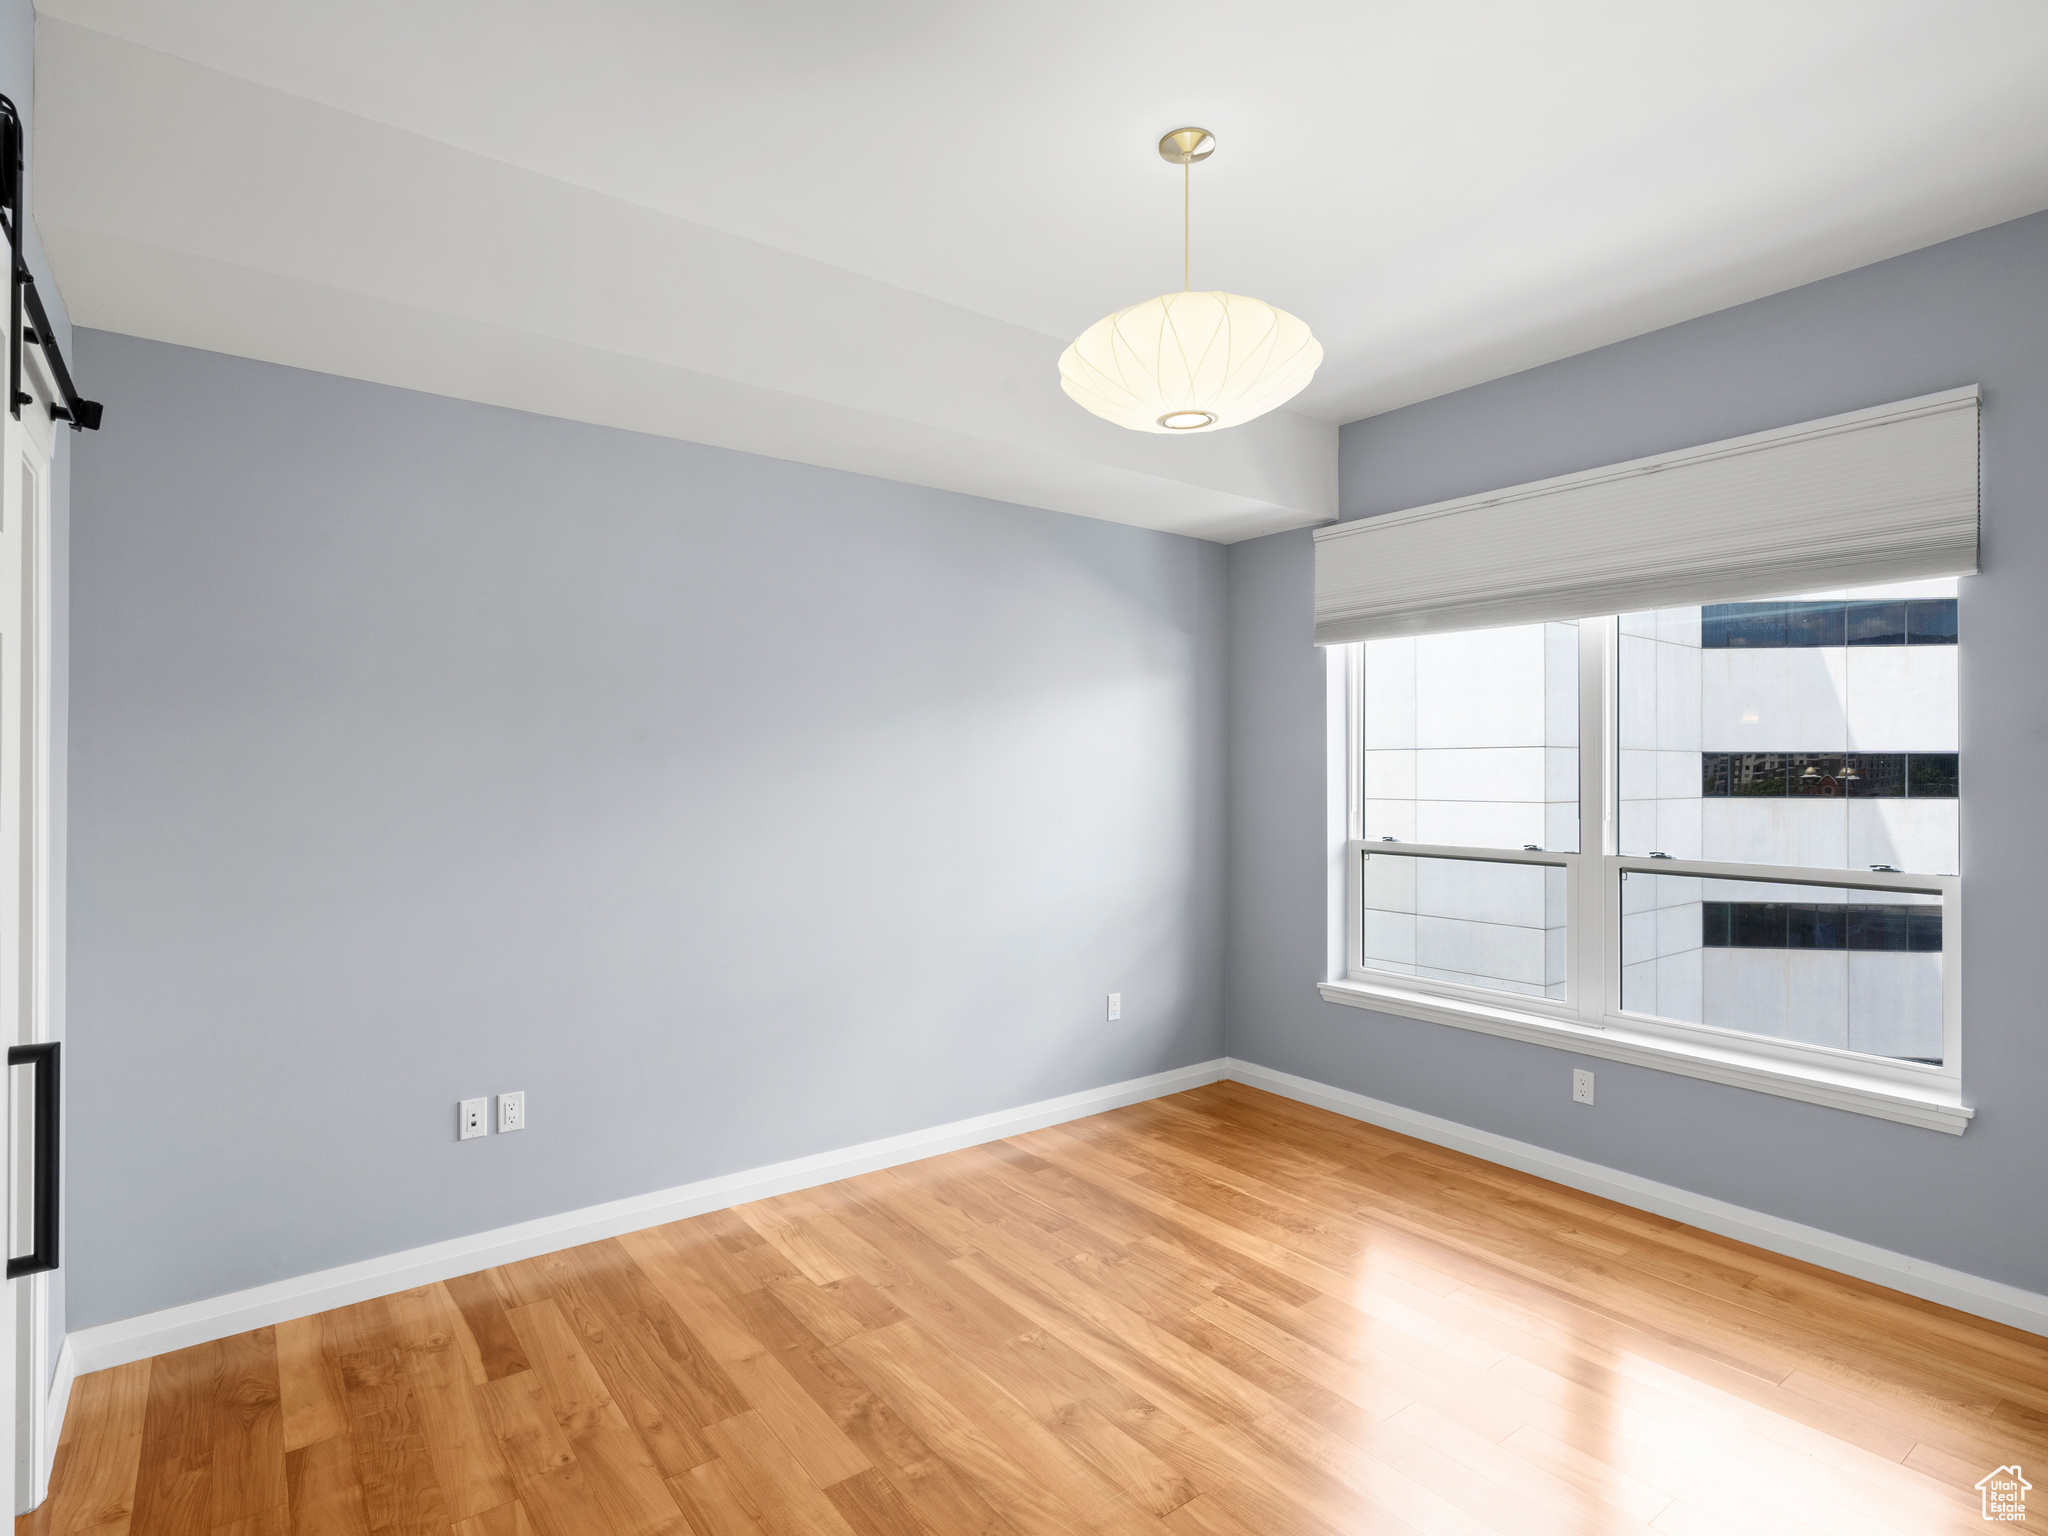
x,y
1594,984
1354,739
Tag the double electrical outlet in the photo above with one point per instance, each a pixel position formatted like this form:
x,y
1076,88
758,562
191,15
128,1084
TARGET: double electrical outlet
x,y
473,1116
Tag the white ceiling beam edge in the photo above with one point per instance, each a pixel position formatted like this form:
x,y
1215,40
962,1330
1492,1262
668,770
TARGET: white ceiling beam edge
x,y
273,227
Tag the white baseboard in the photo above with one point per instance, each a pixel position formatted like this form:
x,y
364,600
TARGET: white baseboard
x,y
1916,1277
53,1415
198,1322
138,1338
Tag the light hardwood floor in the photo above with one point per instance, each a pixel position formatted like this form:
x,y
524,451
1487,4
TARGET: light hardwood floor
x,y
1219,1314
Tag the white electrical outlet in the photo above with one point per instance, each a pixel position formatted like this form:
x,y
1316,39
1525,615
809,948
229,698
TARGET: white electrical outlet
x,y
512,1111
1582,1086
472,1119
1116,1006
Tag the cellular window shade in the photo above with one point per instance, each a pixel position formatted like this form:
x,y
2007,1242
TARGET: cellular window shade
x,y
1886,494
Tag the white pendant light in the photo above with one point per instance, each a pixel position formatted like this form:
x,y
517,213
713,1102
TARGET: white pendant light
x,y
1189,362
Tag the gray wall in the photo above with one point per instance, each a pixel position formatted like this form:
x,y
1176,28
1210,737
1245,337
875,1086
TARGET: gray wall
x,y
734,809
17,82
1973,310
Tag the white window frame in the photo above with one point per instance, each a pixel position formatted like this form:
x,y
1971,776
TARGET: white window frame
x,y
1590,1019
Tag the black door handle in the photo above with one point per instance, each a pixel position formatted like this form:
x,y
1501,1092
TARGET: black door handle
x,y
43,1058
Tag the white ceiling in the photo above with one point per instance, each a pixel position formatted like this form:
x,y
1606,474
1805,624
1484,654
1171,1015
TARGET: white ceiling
x,y
859,235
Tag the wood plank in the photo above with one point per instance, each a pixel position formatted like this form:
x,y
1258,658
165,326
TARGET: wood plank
x,y
871,1506
270,1522
1059,1388
553,1493
824,1311
635,1333
309,1383
469,1466
778,1484
521,1283
482,1304
321,1487
388,1431
99,1451
1127,1463
1224,1231
621,1473
1589,1474
505,1520
1208,1516
826,1454
726,1254
1018,1463
715,1499
174,1473
352,1329
642,1381
942,1498
779,1224
1263,1484
1491,1483
689,1370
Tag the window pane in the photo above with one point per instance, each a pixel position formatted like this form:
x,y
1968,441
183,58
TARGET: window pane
x,y
1814,623
1818,731
1875,775
1475,921
1739,626
1877,623
1856,970
1472,739
1931,621
1931,775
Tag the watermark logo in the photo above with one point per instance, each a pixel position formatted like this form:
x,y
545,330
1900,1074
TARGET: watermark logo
x,y
2005,1494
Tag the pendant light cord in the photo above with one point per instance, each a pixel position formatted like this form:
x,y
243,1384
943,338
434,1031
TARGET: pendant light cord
x,y
1185,172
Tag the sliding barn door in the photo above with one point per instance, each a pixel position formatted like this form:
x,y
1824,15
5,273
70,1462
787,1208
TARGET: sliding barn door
x,y
29,444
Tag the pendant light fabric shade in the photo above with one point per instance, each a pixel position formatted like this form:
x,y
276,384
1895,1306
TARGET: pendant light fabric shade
x,y
1190,362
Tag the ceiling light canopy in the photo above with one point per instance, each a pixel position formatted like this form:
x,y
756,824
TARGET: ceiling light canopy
x,y
1189,362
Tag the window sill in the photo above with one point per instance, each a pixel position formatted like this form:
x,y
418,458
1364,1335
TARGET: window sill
x,y
1937,1108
